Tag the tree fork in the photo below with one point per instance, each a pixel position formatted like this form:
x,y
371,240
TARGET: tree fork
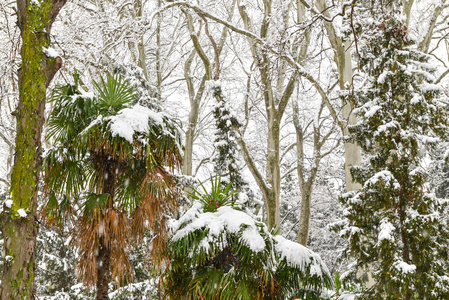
x,y
37,70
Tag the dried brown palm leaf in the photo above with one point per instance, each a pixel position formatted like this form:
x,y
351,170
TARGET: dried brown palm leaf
x,y
85,238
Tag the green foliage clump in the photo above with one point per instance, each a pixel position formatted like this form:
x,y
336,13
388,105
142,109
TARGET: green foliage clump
x,y
216,198
223,253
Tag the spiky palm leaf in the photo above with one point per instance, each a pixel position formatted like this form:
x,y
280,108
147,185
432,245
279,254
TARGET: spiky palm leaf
x,y
113,94
216,198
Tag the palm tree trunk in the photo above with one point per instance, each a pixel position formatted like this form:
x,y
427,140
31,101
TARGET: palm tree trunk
x,y
103,276
104,251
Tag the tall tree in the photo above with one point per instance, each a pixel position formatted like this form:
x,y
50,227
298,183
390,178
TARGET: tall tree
x,y
39,65
392,221
226,162
196,93
342,57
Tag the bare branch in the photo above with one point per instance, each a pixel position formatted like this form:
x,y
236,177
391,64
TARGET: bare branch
x,y
252,167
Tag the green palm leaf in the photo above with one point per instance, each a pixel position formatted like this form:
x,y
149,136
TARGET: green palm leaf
x,y
113,94
222,253
216,198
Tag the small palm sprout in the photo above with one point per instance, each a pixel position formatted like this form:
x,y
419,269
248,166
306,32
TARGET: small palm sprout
x,y
216,198
109,175
219,252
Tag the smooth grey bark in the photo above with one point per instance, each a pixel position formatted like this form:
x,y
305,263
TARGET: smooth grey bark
x,y
276,95
342,58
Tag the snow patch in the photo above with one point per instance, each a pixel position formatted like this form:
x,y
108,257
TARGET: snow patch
x,y
296,255
383,76
347,296
373,109
8,203
404,267
131,120
50,52
22,213
386,230
224,219
386,127
385,176
430,87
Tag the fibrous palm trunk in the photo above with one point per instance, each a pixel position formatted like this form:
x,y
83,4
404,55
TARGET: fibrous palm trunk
x,y
104,248
103,276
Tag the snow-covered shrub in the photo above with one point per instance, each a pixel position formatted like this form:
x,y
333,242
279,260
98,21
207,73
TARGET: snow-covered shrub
x,y
223,253
141,290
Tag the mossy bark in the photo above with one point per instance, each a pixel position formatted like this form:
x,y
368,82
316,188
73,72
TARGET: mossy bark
x,y
35,74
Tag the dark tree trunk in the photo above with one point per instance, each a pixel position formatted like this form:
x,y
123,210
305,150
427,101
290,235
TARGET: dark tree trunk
x,y
104,251
103,276
35,74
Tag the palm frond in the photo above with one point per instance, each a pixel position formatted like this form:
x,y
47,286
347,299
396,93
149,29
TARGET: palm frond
x,y
114,94
216,198
57,212
72,112
64,171
93,204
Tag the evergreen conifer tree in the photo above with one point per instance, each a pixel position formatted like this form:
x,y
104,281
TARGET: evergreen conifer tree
x,y
226,163
393,221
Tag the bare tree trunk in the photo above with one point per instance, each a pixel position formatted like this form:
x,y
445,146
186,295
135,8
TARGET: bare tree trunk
x,y
195,97
195,100
425,43
304,215
37,70
304,186
406,9
343,60
273,177
352,150
158,54
276,99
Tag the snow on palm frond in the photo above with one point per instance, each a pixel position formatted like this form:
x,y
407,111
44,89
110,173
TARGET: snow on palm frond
x,y
223,253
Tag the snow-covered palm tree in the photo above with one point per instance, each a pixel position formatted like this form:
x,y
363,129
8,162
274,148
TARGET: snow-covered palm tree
x,y
109,174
